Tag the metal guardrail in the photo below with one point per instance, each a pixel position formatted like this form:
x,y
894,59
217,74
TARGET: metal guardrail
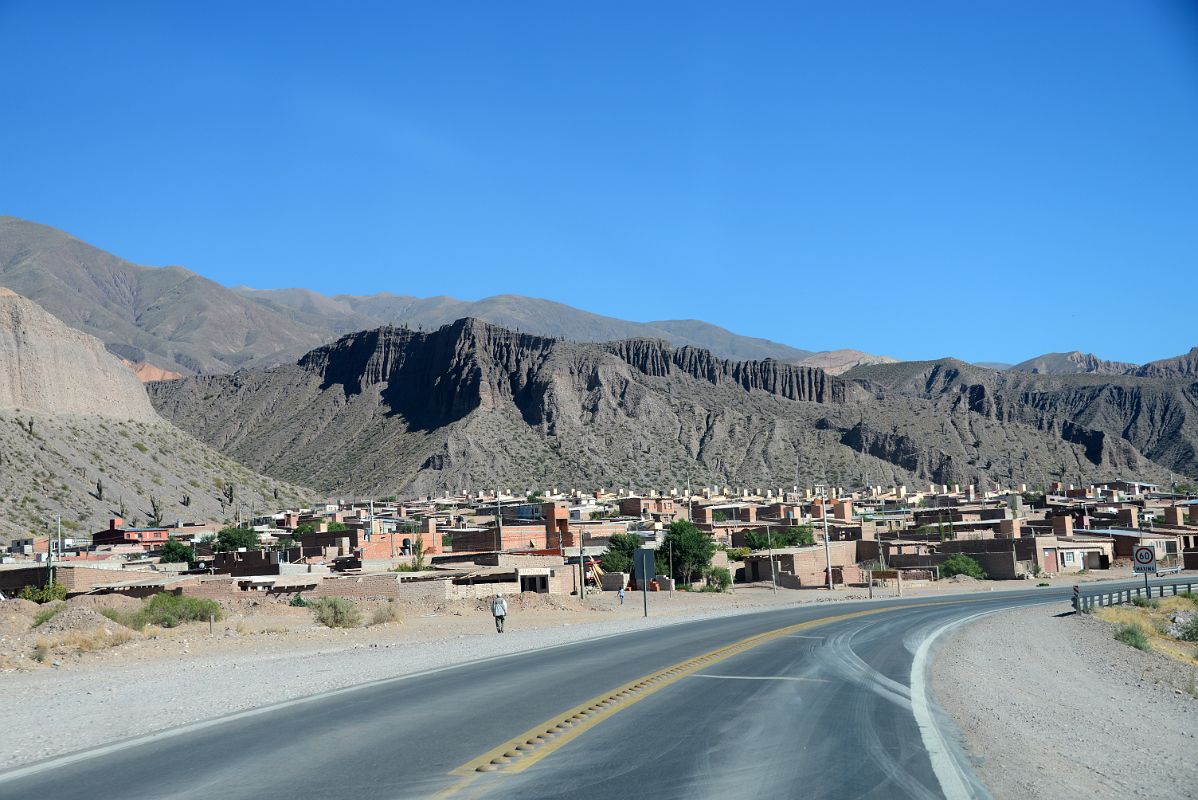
x,y
1088,599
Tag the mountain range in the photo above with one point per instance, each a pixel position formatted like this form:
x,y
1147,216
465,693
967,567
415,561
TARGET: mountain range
x,y
390,394
167,321
470,405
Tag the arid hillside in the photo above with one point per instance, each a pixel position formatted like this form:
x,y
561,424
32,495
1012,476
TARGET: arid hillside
x,y
79,438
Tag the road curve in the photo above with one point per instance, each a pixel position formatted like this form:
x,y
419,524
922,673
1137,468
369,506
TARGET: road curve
x,y
818,701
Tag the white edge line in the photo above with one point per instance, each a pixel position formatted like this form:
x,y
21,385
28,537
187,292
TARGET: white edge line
x,y
953,782
66,759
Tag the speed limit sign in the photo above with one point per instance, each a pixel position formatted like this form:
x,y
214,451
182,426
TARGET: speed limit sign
x,y
1144,559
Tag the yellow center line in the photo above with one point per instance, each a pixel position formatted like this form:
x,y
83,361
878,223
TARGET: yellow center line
x,y
521,752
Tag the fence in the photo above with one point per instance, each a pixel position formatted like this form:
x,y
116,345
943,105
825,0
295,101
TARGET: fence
x,y
1084,600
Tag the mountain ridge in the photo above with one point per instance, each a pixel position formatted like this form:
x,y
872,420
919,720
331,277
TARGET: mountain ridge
x,y
471,404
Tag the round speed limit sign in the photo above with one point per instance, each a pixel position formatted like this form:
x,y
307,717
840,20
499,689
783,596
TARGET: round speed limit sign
x,y
1145,559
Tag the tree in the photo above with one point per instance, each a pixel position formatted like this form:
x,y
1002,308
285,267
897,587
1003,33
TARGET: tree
x,y
307,527
337,527
785,537
692,550
536,497
100,489
959,564
174,551
235,539
418,553
618,555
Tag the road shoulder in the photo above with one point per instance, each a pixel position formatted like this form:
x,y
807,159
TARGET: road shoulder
x,y
1052,706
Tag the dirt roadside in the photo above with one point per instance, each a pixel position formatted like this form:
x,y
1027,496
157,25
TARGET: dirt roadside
x,y
1053,707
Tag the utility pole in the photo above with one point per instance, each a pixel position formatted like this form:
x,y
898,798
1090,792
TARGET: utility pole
x,y
582,571
498,523
671,549
769,538
827,547
49,560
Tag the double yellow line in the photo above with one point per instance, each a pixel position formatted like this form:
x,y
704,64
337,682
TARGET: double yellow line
x,y
521,752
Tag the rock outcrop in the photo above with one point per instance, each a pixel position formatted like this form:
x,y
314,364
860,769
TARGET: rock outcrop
x,y
49,368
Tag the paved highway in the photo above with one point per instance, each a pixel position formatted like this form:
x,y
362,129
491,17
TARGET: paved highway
x,y
824,701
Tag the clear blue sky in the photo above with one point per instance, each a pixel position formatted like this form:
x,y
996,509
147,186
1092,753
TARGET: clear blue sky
x,y
990,180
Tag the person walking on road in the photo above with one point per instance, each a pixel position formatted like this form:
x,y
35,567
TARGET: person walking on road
x,y
620,594
499,610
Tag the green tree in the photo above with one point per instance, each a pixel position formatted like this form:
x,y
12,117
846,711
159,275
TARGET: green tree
x,y
691,550
174,551
337,527
959,564
235,539
783,537
618,555
307,527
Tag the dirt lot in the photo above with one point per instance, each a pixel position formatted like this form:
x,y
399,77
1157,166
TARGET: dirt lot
x,y
1054,707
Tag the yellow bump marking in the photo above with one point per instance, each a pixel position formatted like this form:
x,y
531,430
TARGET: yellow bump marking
x,y
590,713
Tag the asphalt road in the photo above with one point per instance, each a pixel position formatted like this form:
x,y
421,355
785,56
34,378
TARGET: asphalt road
x,y
828,701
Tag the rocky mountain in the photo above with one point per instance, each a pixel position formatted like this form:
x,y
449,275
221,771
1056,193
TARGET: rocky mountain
x,y
79,438
1072,363
471,404
1180,367
168,317
1155,416
346,313
169,320
837,362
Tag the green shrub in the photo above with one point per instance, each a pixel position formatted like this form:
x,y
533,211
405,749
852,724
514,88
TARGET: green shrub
x,y
167,611
1144,602
1189,631
337,612
1132,635
719,579
1193,598
960,564
43,594
46,614
298,601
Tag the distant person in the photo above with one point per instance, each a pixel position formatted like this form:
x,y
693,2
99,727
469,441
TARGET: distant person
x,y
499,610
620,594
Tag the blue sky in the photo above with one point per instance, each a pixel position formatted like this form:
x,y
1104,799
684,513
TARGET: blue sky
x,y
989,180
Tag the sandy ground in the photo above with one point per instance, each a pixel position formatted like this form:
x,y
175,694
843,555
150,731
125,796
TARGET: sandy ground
x,y
1054,707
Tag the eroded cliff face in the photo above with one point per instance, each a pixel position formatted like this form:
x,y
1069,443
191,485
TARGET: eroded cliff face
x,y
471,404
49,368
657,359
1117,421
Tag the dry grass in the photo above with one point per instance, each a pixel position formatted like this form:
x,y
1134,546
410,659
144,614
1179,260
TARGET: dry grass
x,y
387,612
1151,621
80,641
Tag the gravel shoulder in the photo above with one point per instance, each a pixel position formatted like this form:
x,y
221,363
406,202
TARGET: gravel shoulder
x,y
1051,706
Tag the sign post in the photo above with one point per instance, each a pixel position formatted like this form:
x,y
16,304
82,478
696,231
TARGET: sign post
x,y
645,566
1144,560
